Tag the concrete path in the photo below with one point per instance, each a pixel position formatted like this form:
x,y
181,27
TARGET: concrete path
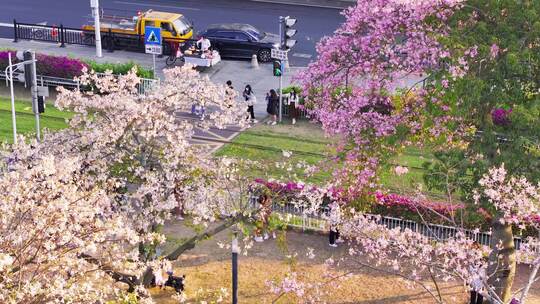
x,y
240,72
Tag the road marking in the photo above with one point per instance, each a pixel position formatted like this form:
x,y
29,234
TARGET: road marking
x,y
300,4
301,55
157,5
6,24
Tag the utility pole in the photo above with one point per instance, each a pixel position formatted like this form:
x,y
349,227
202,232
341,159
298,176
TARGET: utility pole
x,y
286,32
281,76
235,250
94,4
34,88
13,118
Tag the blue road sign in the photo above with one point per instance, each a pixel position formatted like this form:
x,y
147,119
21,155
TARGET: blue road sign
x,y
152,35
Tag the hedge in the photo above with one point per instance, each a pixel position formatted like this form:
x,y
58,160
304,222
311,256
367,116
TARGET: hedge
x,y
119,68
65,67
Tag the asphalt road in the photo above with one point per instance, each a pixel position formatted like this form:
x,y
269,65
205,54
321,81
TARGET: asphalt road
x,y
313,22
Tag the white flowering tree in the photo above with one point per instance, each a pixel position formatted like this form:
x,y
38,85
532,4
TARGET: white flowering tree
x,y
86,202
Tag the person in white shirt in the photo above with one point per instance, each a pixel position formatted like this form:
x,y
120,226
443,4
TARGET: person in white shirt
x,y
250,99
477,275
203,44
293,103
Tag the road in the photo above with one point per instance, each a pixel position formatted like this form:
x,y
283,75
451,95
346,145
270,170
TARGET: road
x,y
313,22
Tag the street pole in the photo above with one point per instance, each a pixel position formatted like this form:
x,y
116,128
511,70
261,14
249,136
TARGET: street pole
x,y
281,76
235,250
94,4
154,61
13,118
281,93
34,90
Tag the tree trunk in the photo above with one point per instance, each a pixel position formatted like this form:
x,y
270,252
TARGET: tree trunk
x,y
502,260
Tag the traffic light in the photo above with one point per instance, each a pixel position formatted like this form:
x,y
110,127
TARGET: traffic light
x,y
28,77
277,68
41,104
287,32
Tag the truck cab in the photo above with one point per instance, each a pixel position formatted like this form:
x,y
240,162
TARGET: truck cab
x,y
128,32
173,26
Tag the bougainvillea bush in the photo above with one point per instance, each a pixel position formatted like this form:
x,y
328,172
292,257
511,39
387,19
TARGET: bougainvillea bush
x,y
47,65
66,67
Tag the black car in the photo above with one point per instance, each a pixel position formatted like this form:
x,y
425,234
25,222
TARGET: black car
x,y
241,41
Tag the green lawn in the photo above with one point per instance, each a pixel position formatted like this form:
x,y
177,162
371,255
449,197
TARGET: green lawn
x,y
308,142
52,119
266,143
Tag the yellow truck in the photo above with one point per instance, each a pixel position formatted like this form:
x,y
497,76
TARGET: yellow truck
x,y
128,32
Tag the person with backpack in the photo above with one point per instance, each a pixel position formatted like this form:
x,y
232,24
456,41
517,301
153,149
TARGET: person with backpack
x,y
272,106
250,99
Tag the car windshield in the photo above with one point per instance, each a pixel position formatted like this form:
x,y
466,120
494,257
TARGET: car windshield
x,y
182,25
255,33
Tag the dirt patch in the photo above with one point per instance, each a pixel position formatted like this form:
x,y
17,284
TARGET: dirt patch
x,y
208,269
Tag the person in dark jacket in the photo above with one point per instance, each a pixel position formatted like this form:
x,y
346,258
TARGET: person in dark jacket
x,y
272,106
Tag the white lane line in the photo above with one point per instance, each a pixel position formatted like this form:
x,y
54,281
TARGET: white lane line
x,y
302,55
6,24
157,5
300,4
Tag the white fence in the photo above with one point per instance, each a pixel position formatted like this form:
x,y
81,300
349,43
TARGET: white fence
x,y
295,217
145,85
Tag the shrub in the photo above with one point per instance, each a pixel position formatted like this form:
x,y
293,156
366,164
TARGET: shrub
x,y
54,66
65,67
120,68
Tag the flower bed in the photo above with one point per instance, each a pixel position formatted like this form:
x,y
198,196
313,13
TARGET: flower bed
x,y
393,200
65,67
385,204
500,116
54,66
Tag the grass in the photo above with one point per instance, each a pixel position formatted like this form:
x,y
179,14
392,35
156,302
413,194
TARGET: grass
x,y
52,119
265,143
308,143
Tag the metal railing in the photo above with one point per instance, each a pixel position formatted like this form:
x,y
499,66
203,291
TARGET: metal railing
x,y
301,112
296,217
144,87
51,33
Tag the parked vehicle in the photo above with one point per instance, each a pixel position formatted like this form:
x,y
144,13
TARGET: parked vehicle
x,y
241,41
128,32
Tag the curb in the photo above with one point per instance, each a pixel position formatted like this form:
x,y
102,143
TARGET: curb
x,y
330,4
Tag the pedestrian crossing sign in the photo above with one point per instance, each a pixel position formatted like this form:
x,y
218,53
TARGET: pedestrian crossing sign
x,y
152,35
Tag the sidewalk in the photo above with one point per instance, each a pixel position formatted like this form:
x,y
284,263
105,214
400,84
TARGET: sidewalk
x,y
239,72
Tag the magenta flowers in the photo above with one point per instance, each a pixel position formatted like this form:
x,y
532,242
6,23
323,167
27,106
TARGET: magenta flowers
x,y
47,65
500,116
395,200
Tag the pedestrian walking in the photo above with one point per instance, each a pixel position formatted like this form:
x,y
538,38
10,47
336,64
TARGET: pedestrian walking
x,y
229,91
198,110
477,273
272,106
250,100
261,231
334,219
293,103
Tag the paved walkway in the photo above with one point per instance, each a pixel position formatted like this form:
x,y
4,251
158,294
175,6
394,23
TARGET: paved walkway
x,y
239,72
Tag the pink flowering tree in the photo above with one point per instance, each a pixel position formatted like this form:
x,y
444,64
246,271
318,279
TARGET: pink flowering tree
x,y
420,256
477,102
383,45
